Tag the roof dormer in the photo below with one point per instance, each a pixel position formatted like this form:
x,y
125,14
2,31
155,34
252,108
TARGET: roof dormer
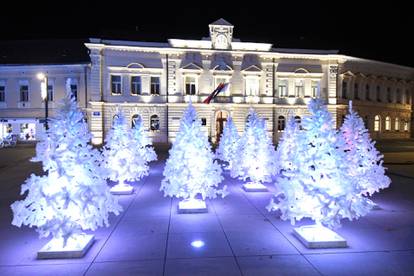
x,y
221,34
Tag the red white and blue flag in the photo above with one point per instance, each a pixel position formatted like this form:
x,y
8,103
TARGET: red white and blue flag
x,y
222,87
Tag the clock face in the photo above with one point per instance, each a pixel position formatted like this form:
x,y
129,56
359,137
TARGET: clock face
x,y
221,41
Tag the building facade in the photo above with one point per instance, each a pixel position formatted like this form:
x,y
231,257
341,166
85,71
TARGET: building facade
x,y
155,81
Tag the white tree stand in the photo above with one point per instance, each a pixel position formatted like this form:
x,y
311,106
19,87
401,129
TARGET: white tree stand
x,y
76,247
318,236
122,189
192,206
254,187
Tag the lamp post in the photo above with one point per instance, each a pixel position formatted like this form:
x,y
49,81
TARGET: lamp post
x,y
45,96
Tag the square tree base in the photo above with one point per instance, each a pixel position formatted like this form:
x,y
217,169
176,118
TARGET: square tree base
x,y
254,187
317,236
76,247
124,189
191,206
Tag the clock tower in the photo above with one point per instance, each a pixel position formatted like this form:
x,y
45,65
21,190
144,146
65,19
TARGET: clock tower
x,y
221,34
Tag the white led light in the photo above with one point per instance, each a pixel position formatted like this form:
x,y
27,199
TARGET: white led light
x,y
197,243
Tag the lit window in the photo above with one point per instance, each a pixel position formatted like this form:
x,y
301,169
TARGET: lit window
x,y
155,85
222,80
136,85
397,124
135,120
367,92
299,88
154,123
116,82
281,122
388,123
190,85
356,91
344,90
24,93
252,86
406,125
377,123
282,88
378,93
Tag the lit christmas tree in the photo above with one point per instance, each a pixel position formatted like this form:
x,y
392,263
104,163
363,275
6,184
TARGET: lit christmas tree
x,y
72,197
142,144
256,156
318,186
228,144
124,158
190,169
363,159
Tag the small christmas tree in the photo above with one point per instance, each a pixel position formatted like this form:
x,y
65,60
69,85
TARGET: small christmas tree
x,y
363,159
228,144
72,197
190,169
317,185
255,156
142,144
123,159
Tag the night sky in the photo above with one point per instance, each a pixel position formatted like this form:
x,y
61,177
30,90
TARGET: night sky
x,y
371,30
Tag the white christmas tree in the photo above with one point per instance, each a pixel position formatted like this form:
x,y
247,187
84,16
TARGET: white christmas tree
x,y
227,148
316,185
255,156
287,148
142,144
363,159
124,158
72,197
190,169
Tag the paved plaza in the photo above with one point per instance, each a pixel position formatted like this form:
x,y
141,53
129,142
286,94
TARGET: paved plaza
x,y
240,236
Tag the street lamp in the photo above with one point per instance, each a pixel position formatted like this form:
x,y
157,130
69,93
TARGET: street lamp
x,y
44,94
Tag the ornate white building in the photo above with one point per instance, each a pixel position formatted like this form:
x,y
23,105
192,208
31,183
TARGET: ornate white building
x,y
156,81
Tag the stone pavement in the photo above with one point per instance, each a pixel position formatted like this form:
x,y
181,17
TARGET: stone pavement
x,y
241,237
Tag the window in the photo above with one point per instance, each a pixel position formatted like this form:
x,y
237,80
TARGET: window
x,y
356,91
50,92
155,85
388,123
74,91
114,118
389,95
406,125
203,121
282,88
136,119
154,123
24,92
136,85
367,92
116,85
407,97
397,124
344,90
314,89
299,88
224,80
366,122
378,93
399,96
298,120
190,85
377,123
281,123
2,92
252,86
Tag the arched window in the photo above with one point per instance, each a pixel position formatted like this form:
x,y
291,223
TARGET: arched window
x,y
154,123
388,123
377,123
114,118
298,119
406,125
397,124
135,119
281,122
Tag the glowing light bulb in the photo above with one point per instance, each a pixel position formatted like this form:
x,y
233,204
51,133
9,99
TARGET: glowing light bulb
x,y
197,243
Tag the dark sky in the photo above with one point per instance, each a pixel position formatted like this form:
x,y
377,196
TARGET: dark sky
x,y
360,28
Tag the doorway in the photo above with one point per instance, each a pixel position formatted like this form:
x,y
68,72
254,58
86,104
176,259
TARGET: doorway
x,y
221,119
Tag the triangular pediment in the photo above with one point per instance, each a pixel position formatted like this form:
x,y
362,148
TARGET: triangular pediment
x,y
252,68
191,66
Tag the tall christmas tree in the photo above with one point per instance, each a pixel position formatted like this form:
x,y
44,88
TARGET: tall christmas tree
x,y
255,156
317,185
228,144
124,159
72,197
363,159
190,169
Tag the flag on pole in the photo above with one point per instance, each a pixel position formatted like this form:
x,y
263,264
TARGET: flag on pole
x,y
221,87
